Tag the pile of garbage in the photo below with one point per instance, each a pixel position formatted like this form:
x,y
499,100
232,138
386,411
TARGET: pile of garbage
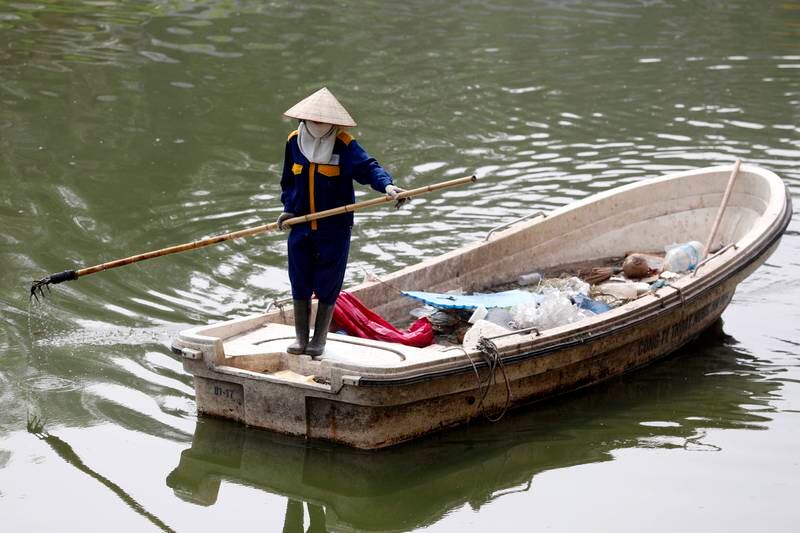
x,y
539,303
459,318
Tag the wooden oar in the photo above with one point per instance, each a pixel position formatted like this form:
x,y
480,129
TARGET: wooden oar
x,y
723,205
69,275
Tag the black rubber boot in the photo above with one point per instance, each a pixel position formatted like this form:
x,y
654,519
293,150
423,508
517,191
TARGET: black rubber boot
x,y
302,316
321,325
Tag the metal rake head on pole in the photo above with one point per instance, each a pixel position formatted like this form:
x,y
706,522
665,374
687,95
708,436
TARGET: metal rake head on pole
x,y
38,286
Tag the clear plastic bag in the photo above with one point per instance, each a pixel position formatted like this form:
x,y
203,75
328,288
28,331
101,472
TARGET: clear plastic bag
x,y
569,286
555,309
501,317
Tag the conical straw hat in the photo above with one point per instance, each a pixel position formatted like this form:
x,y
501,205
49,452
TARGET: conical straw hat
x,y
321,106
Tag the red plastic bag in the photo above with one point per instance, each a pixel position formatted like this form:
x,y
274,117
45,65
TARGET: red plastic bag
x,y
358,320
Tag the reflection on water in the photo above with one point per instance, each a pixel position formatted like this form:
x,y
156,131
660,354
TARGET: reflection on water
x,y
416,484
65,452
294,517
130,126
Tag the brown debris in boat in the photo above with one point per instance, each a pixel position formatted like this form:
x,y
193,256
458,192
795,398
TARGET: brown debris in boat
x,y
601,274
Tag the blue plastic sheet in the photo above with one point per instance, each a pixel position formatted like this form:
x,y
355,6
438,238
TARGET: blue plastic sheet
x,y
473,301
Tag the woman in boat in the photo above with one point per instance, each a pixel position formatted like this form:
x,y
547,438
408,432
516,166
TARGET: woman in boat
x,y
320,163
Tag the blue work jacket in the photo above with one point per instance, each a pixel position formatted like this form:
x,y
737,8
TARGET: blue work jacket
x,y
310,187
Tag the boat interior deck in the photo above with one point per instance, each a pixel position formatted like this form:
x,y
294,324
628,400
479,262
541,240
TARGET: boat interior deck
x,y
272,339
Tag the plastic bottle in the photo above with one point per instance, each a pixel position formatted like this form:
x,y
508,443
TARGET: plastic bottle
x,y
530,279
683,257
619,290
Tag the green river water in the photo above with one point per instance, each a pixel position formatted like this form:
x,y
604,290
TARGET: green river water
x,y
127,126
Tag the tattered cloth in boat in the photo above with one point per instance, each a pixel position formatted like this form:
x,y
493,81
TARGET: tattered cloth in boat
x,y
351,315
473,301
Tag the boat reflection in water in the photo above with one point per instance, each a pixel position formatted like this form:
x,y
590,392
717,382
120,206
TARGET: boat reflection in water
x,y
711,384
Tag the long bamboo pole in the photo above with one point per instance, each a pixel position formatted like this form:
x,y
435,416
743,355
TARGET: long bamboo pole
x,y
723,205
69,275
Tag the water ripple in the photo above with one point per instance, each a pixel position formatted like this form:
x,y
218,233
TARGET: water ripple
x,y
133,126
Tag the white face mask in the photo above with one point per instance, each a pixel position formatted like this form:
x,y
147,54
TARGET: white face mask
x,y
318,129
316,141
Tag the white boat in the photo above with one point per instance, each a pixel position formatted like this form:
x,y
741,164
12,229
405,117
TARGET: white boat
x,y
371,394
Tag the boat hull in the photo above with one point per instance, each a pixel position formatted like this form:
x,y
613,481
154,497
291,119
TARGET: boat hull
x,y
376,415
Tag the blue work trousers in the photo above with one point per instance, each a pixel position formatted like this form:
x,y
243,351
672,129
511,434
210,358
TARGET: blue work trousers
x,y
317,261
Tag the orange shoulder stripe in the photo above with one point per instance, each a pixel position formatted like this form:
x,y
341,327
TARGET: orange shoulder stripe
x,y
345,137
